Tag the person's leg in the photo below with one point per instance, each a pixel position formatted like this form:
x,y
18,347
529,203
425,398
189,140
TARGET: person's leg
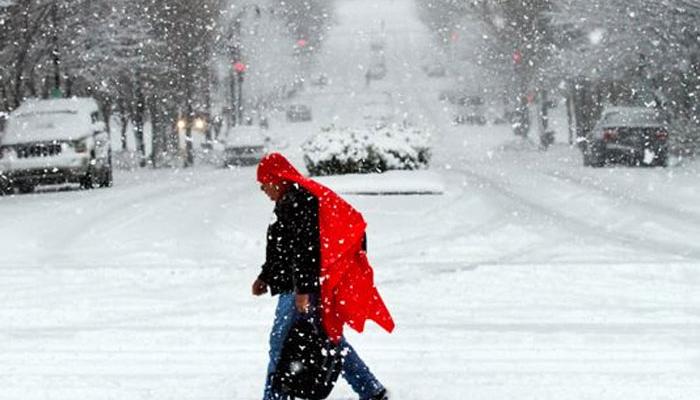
x,y
357,373
284,318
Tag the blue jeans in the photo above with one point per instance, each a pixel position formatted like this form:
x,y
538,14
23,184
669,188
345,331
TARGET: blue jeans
x,y
355,372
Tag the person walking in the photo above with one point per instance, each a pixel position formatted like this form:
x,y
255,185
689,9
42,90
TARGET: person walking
x,y
316,263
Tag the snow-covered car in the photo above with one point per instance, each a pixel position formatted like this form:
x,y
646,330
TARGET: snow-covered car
x,y
376,71
320,80
55,141
637,135
377,114
377,43
298,113
434,70
244,145
472,111
452,96
469,119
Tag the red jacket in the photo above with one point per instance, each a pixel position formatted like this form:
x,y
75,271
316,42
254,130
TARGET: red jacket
x,y
348,294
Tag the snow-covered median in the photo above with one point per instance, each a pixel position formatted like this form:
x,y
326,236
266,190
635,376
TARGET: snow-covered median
x,y
388,183
335,151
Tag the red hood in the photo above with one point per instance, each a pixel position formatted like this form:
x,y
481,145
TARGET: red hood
x,y
348,294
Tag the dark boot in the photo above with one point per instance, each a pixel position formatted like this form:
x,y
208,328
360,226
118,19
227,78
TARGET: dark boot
x,y
383,395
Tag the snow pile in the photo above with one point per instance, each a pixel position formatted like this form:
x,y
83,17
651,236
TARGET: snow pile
x,y
388,183
335,151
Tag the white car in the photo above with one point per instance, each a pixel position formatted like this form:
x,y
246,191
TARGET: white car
x,y
55,141
244,145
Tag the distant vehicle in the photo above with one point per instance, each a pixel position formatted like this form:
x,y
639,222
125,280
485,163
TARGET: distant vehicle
x,y
264,122
53,142
244,145
377,114
377,43
636,135
320,80
298,113
434,70
453,96
446,95
376,71
497,114
469,119
472,111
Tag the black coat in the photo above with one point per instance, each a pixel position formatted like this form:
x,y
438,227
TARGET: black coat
x,y
293,258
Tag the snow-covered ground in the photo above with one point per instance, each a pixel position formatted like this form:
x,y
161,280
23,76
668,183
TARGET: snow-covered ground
x,y
531,277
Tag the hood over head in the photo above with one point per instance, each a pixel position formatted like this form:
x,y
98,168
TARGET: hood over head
x,y
348,294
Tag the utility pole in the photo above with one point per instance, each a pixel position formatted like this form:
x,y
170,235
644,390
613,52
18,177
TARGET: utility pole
x,y
235,57
240,98
56,92
138,119
240,69
189,148
521,124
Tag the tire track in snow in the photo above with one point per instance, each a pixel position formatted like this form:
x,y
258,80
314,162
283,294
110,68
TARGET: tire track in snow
x,y
588,183
581,225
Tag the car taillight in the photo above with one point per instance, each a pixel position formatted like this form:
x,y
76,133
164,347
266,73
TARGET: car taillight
x,y
662,135
609,135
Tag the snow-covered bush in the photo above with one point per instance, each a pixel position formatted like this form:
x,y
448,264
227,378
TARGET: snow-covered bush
x,y
335,151
418,139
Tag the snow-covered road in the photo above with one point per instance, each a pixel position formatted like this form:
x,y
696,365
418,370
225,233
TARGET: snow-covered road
x,y
530,278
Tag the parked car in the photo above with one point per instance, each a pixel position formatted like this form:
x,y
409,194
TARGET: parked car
x,y
376,71
377,114
298,113
244,145
453,96
472,111
434,70
53,142
377,43
320,80
447,95
469,119
636,135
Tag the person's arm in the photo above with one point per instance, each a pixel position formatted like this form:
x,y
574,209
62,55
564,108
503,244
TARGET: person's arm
x,y
266,270
306,257
264,273
263,280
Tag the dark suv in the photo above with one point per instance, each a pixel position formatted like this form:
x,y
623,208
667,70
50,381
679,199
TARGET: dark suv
x,y
636,135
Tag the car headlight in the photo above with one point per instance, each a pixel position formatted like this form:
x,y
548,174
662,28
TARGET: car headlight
x,y
200,124
80,146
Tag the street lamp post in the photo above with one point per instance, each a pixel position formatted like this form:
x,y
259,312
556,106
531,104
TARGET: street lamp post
x,y
240,69
234,104
521,125
55,53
